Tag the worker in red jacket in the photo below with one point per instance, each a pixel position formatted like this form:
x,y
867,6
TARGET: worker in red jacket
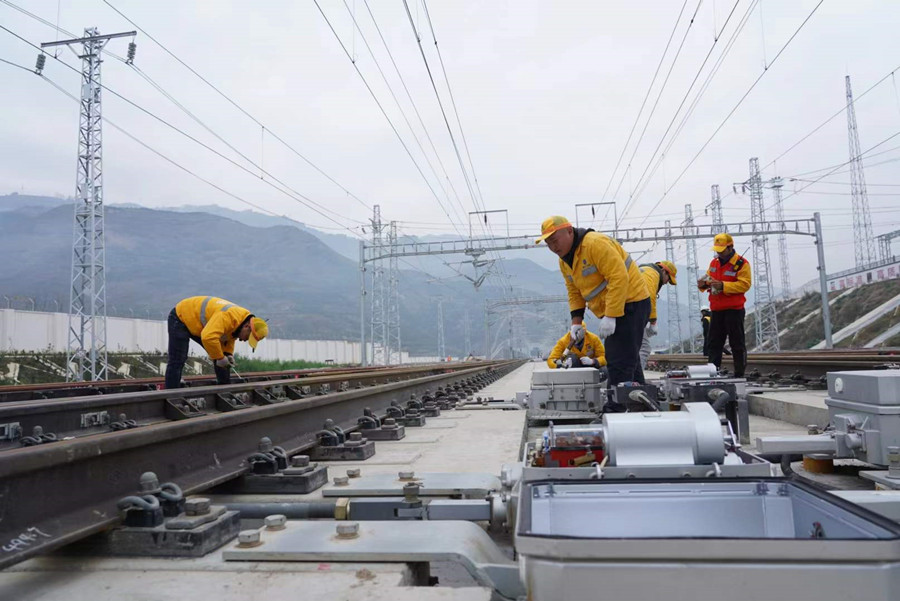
x,y
726,280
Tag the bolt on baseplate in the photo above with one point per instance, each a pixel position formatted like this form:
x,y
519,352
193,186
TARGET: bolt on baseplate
x,y
275,522
249,538
348,530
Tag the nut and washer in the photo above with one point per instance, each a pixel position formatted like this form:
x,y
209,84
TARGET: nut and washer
x,y
249,538
275,522
348,530
197,506
354,473
341,480
300,461
411,491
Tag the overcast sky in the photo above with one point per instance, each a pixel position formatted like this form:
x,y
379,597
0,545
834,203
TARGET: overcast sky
x,y
547,93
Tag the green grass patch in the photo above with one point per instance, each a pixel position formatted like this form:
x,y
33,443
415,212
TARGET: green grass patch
x,y
243,364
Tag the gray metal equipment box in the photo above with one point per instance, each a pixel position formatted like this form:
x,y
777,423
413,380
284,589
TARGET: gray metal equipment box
x,y
686,539
576,389
864,407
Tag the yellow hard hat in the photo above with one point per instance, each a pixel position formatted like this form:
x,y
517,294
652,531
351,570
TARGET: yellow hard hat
x,y
669,268
722,241
552,225
259,329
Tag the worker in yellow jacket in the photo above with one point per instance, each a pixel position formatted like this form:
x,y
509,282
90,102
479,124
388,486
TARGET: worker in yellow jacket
x,y
600,275
656,275
215,324
589,352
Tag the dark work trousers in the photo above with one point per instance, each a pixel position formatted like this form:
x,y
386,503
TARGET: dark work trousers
x,y
623,347
179,341
728,323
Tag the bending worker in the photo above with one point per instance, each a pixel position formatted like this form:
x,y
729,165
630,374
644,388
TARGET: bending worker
x,y
588,352
599,274
727,279
656,275
215,324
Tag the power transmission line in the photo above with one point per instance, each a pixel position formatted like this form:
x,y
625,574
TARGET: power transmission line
x,y
734,109
293,194
644,102
236,105
386,116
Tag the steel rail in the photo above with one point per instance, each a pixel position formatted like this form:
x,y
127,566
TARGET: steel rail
x,y
53,390
94,414
808,364
54,494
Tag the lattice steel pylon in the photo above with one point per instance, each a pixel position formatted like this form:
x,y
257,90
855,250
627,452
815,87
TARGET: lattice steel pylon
x,y
766,317
394,355
693,274
776,183
380,348
442,351
715,206
863,238
675,336
86,357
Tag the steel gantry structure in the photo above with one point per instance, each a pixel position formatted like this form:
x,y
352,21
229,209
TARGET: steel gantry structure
x,y
492,307
809,227
86,350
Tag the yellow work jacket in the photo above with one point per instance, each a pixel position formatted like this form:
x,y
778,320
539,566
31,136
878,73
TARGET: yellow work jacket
x,y
652,278
603,277
592,348
214,320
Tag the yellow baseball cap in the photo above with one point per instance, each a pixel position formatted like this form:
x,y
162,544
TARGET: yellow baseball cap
x,y
259,329
551,225
670,268
722,241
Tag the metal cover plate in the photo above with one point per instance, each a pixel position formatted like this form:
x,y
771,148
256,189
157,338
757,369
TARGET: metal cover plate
x,y
392,541
546,376
432,484
871,387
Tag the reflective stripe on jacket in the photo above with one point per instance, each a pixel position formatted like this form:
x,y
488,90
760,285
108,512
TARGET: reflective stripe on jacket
x,y
592,347
213,320
736,276
603,277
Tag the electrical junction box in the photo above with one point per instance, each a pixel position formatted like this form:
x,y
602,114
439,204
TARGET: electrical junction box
x,y
864,407
576,389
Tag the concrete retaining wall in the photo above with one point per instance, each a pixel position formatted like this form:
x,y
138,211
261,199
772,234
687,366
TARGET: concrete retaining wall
x,y
37,331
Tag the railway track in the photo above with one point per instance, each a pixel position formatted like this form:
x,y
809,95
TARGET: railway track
x,y
63,489
56,390
799,365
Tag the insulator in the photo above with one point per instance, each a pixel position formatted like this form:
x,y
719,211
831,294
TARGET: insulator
x,y
39,65
132,48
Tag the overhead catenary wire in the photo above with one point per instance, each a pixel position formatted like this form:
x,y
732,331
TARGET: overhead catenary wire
x,y
194,174
658,96
405,118
735,108
643,102
268,130
386,116
287,190
632,196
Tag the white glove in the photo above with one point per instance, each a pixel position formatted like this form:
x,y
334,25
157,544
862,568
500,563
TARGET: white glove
x,y
568,362
576,332
607,327
223,362
589,361
559,363
652,330
230,360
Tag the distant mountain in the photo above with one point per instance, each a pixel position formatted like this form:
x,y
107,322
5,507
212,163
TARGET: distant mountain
x,y
155,258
